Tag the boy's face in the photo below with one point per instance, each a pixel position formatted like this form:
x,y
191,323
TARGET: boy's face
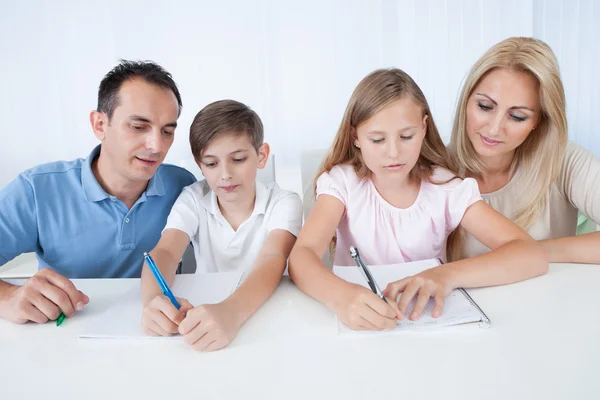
x,y
229,165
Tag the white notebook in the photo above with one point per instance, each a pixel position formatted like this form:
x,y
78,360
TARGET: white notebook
x,y
123,319
459,307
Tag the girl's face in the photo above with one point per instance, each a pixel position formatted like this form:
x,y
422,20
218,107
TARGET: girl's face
x,y
502,111
390,141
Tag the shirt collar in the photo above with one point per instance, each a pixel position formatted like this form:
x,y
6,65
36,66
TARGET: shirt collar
x,y
209,201
94,192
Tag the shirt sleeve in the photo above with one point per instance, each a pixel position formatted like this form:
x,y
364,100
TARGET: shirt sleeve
x,y
580,181
18,219
286,214
332,183
459,198
184,214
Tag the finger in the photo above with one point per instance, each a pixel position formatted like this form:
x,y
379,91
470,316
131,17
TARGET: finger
x,y
380,306
185,306
164,305
31,313
190,322
57,296
440,299
366,325
45,306
421,303
204,341
85,297
196,334
216,345
163,321
153,326
394,289
407,295
75,296
380,322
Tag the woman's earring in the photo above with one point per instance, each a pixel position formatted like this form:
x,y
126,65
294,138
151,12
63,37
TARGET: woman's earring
x,y
356,145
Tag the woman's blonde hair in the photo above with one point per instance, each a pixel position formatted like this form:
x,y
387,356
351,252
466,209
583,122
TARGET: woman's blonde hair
x,y
375,92
538,160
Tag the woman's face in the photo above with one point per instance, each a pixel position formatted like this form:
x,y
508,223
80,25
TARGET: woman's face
x,y
502,111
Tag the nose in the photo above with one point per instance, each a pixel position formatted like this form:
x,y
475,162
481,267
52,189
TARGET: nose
x,y
225,171
154,142
393,148
496,125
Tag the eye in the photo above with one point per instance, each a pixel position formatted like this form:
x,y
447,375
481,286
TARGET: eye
x,y
518,118
239,160
137,127
169,133
210,165
377,140
484,107
407,137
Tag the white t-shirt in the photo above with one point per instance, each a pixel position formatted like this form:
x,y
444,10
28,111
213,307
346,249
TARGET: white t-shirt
x,y
217,247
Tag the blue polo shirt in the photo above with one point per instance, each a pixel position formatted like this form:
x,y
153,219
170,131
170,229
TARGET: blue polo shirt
x,y
60,211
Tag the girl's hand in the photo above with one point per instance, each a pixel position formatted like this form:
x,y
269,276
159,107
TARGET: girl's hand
x,y
434,282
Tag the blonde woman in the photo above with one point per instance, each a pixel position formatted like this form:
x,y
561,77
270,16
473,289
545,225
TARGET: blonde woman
x,y
510,134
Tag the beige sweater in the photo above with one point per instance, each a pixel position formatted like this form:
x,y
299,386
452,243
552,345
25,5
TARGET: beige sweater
x,y
577,188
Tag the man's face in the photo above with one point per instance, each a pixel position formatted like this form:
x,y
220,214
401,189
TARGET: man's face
x,y
141,130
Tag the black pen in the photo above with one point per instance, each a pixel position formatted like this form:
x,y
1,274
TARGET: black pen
x,y
360,264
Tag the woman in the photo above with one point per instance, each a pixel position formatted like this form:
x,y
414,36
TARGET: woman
x,y
510,134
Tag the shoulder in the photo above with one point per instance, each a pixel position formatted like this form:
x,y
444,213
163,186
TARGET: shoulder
x,y
198,189
576,155
54,169
446,180
340,174
279,196
174,175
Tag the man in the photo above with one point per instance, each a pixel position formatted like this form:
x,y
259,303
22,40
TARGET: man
x,y
94,217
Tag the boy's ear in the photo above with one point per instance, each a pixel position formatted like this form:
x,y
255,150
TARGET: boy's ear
x,y
263,155
99,122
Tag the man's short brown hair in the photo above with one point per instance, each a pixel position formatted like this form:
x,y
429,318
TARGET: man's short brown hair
x,y
224,116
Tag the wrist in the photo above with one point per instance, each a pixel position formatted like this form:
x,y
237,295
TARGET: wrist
x,y
239,315
6,293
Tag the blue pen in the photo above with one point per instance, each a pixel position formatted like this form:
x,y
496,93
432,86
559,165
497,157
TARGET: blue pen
x,y
161,281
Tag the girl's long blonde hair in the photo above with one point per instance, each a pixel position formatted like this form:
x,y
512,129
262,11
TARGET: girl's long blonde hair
x,y
538,160
375,92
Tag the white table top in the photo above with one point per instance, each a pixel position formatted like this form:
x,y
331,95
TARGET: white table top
x,y
543,344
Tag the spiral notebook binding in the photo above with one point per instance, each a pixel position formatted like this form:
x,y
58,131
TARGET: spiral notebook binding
x,y
485,321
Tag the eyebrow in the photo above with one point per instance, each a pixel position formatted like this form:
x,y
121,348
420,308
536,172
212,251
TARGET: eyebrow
x,y
512,108
139,118
376,132
233,152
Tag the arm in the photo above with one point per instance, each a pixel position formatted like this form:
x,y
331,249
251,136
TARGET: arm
x,y
356,306
47,293
580,184
515,256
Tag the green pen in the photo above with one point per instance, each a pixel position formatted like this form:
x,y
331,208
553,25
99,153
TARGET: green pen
x,y
60,319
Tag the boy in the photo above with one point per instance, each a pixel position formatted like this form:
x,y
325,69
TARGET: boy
x,y
235,223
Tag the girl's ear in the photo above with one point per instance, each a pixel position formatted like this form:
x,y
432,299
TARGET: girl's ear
x,y
425,124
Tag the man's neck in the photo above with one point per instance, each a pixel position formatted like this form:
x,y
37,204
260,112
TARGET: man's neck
x,y
126,190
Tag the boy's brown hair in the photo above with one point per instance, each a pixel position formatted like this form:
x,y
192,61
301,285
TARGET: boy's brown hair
x,y
224,116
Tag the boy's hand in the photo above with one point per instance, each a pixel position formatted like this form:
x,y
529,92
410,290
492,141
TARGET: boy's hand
x,y
361,309
161,318
210,326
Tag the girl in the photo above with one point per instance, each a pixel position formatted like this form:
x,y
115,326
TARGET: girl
x,y
510,133
387,186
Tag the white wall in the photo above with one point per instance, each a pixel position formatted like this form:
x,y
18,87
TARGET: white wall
x,y
295,62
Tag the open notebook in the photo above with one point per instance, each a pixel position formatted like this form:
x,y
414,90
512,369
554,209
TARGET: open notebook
x,y
459,307
123,319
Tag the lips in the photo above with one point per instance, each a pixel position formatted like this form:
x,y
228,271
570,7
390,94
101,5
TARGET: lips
x,y
394,167
147,162
489,142
230,188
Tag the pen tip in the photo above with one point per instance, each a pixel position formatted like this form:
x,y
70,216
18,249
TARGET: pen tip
x,y
145,254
